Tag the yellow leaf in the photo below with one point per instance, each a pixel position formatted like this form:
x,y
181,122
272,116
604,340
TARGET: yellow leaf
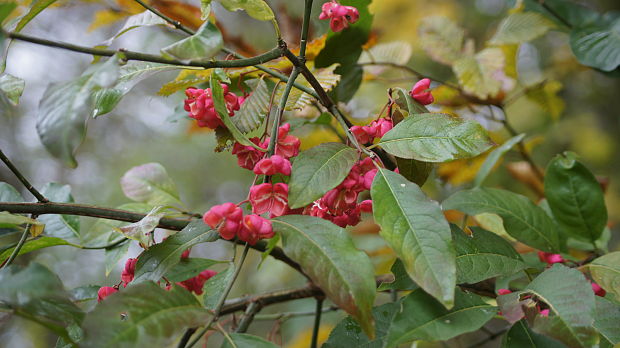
x,y
460,171
510,56
483,75
303,339
546,96
106,17
186,78
313,47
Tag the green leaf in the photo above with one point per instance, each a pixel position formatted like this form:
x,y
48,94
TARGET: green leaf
x,y
441,39
484,255
162,257
520,336
216,285
327,255
150,183
402,281
317,171
349,334
421,317
63,110
598,45
143,315
575,198
188,268
605,271
37,294
606,319
130,74
523,220
6,8
141,230
494,157
33,245
202,46
247,341
411,105
414,170
435,137
571,299
220,106
481,74
8,193
575,13
255,107
418,232
257,9
12,87
66,227
84,293
521,27
35,8
345,48
104,232
144,19
546,96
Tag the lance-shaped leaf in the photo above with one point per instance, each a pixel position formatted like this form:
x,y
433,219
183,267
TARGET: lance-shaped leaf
x,y
150,183
64,108
395,52
202,46
257,9
35,8
421,317
240,340
484,255
141,230
482,74
435,137
318,170
411,105
66,227
606,272
598,45
414,170
606,319
6,8
143,315
8,220
571,300
402,281
130,74
417,230
254,109
575,198
521,27
216,285
493,158
327,255
523,220
162,257
349,334
12,87
8,193
188,268
298,99
441,39
144,19
33,245
520,336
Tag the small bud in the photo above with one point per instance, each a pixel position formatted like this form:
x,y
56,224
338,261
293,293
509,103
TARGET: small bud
x,y
598,291
104,292
128,271
504,292
420,92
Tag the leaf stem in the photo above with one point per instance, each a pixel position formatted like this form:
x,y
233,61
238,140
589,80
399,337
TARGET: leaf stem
x,y
523,151
18,247
222,299
248,316
555,14
22,178
145,57
288,315
317,322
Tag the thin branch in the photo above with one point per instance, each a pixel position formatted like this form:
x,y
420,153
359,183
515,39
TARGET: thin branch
x,y
555,14
176,24
145,57
288,315
278,119
248,316
220,303
22,178
304,30
121,215
523,151
317,322
18,247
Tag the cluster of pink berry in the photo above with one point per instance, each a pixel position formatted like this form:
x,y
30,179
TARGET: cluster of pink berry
x,y
339,16
550,258
376,129
230,223
340,205
199,105
193,284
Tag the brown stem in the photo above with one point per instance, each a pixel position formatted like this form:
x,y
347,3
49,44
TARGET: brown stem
x,y
22,178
